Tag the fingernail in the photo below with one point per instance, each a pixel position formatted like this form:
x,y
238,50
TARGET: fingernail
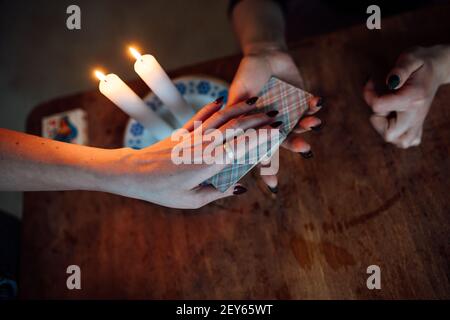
x,y
393,81
276,124
239,190
318,127
272,113
251,100
219,100
319,102
274,189
307,155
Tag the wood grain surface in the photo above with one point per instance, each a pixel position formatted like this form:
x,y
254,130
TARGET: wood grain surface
x,y
358,202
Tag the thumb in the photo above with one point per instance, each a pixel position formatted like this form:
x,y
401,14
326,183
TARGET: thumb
x,y
238,92
405,66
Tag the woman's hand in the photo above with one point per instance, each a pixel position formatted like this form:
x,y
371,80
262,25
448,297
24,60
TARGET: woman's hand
x,y
154,174
150,174
255,69
399,116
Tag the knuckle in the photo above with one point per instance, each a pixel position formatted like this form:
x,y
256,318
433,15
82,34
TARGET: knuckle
x,y
235,123
389,138
221,114
420,93
403,145
377,106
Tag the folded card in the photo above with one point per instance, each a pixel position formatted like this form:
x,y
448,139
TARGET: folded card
x,y
291,104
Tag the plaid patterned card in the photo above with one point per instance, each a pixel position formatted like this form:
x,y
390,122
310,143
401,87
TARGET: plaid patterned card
x,y
291,103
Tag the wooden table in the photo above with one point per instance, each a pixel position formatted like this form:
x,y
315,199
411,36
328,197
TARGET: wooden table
x,y
359,202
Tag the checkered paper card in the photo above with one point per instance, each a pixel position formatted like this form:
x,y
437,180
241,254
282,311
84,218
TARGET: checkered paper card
x,y
291,104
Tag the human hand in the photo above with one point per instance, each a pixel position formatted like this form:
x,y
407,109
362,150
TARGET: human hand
x,y
151,174
399,115
254,71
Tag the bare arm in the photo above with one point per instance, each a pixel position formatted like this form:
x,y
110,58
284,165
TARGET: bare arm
x,y
259,25
29,163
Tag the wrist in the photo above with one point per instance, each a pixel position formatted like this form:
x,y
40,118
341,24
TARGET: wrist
x,y
110,172
264,48
441,63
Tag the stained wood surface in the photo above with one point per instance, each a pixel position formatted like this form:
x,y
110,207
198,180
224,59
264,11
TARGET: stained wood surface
x,y
358,202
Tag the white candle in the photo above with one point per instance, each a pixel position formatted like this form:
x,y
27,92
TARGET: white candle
x,y
157,79
112,87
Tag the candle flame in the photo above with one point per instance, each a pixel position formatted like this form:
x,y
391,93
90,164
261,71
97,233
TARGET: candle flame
x,y
135,53
100,75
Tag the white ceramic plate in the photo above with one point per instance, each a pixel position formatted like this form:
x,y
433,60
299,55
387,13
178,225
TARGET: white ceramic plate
x,y
197,90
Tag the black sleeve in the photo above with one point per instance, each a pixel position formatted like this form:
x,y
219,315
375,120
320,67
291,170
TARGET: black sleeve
x,y
281,3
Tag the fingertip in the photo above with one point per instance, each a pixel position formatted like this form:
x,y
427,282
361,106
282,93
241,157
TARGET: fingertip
x,y
239,189
393,81
310,123
270,180
219,100
315,104
416,142
315,101
390,136
274,190
307,154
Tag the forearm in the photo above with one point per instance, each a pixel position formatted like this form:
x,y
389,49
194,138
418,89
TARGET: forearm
x,y
30,163
259,25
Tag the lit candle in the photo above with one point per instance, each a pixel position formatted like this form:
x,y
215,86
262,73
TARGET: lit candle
x,y
112,87
157,79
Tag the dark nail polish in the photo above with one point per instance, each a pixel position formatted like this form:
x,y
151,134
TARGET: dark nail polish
x,y
307,155
276,124
251,100
274,189
393,81
318,127
319,102
219,100
239,190
272,114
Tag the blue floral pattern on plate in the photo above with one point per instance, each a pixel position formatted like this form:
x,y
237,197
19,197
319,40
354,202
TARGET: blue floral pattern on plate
x,y
197,91
137,129
203,87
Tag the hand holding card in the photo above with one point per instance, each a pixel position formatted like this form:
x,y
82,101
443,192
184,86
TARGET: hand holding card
x,y
291,104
